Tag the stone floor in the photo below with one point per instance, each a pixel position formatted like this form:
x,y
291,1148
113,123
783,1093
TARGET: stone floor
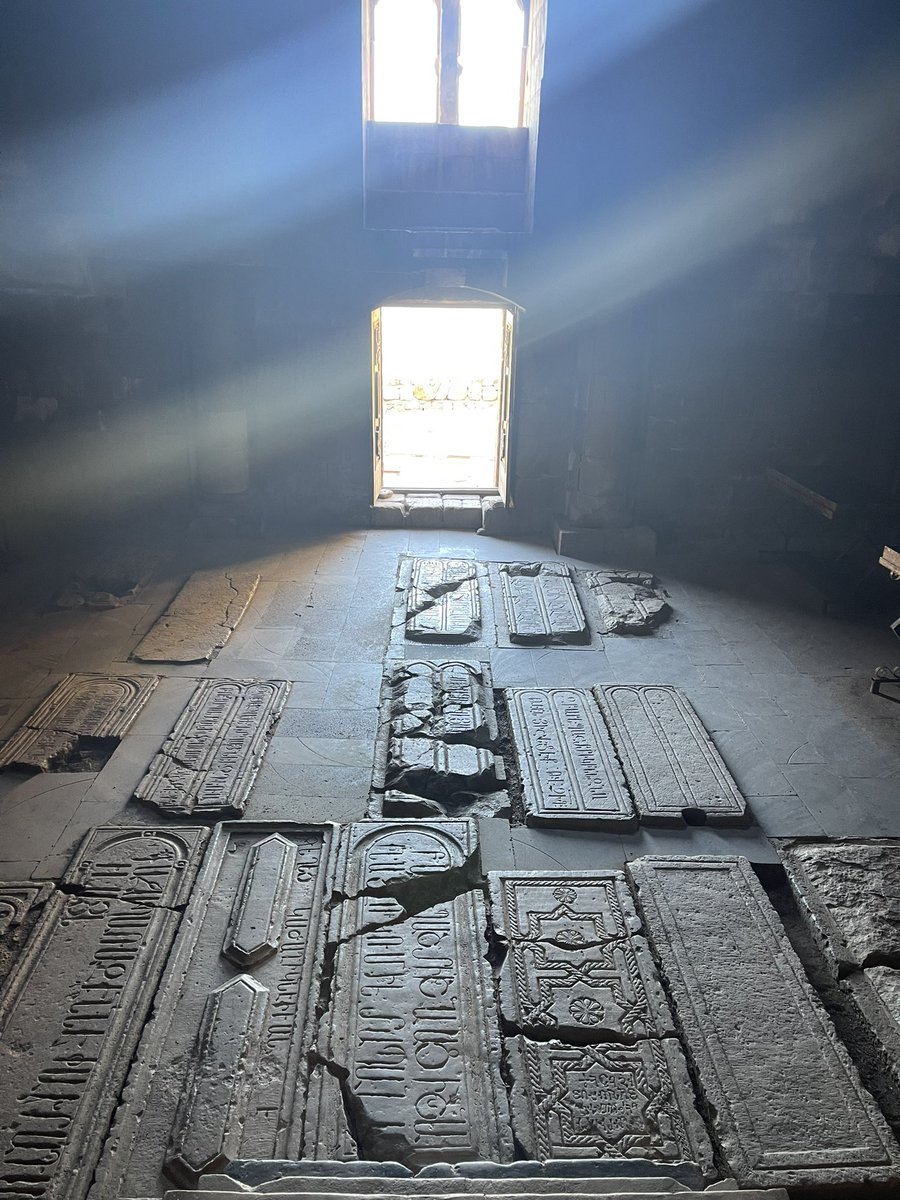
x,y
782,688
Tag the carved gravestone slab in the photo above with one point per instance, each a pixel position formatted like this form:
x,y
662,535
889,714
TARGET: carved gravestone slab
x,y
850,889
672,767
449,701
20,907
606,1101
443,602
74,1007
200,619
437,769
541,605
409,1048
626,601
219,1072
569,771
81,706
787,1104
209,761
575,966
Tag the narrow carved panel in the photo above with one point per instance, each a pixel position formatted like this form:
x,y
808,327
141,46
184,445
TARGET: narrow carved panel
x,y
606,1101
260,907
672,766
208,1124
443,604
268,1107
409,1045
575,966
73,1009
569,771
787,1104
279,924
89,706
541,604
209,761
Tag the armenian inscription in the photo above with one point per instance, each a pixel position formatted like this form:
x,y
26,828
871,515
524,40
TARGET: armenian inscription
x,y
74,1007
541,604
569,771
443,603
450,701
209,761
788,1106
672,767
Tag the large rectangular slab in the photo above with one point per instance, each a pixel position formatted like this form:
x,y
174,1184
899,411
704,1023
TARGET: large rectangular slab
x,y
209,761
81,706
443,602
541,604
567,764
672,767
786,1102
200,619
409,1049
575,965
850,890
606,1101
219,1073
73,1009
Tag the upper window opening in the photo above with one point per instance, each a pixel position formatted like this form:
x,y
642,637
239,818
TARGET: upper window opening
x,y
457,62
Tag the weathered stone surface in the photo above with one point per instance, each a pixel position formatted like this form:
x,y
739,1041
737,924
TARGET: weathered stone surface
x,y
672,767
443,602
627,601
20,907
785,1100
876,994
409,1054
219,1073
424,510
569,771
81,706
209,761
74,1007
574,966
614,1186
606,1101
541,604
451,701
440,769
200,619
850,888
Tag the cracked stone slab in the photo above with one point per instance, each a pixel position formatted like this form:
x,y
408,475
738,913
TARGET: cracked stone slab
x,y
607,1100
443,603
614,1186
20,906
450,701
81,706
409,1050
74,1007
220,1071
575,965
786,1103
566,761
626,601
673,770
438,770
208,763
200,619
541,604
850,891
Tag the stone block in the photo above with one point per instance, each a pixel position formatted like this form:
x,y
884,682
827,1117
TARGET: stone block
x,y
81,706
633,546
673,769
626,601
208,763
462,512
74,1007
850,890
566,762
602,1101
541,605
784,1098
200,619
575,967
219,1072
408,1053
440,769
443,602
424,510
387,514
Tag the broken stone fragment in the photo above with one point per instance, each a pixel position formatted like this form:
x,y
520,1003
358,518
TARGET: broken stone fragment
x,y
452,701
436,769
627,601
401,804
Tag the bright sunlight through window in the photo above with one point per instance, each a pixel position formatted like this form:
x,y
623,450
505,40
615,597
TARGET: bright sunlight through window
x,y
462,55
